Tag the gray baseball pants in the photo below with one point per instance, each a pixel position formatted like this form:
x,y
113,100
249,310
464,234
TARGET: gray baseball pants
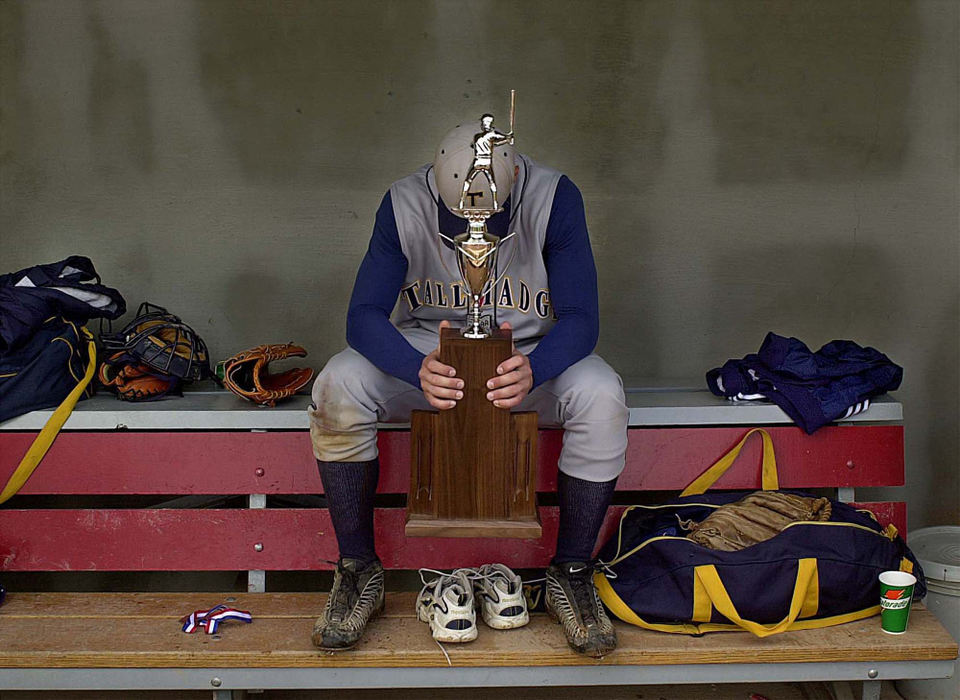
x,y
350,396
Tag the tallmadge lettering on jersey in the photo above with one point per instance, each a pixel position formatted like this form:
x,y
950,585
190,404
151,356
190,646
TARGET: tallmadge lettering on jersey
x,y
433,291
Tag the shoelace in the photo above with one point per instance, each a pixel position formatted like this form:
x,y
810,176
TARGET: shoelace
x,y
443,579
583,594
607,571
473,575
341,600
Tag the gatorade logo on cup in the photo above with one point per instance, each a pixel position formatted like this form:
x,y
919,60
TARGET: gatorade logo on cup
x,y
895,599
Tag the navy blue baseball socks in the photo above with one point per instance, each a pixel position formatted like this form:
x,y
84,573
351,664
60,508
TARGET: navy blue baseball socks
x,y
583,507
350,488
356,598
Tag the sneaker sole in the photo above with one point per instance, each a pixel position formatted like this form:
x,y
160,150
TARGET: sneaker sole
x,y
346,648
442,634
498,622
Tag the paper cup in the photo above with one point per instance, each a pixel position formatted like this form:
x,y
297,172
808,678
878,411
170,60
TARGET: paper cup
x,y
896,596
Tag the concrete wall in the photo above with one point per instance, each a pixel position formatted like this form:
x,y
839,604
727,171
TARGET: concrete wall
x,y
747,166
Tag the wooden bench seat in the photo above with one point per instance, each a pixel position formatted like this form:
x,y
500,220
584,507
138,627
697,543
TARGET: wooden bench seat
x,y
171,453
139,633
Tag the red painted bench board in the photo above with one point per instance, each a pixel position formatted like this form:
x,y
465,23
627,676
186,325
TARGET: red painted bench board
x,y
224,463
214,539
293,539
112,462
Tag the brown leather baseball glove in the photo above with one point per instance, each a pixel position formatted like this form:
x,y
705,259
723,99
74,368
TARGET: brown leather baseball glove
x,y
134,381
755,518
247,374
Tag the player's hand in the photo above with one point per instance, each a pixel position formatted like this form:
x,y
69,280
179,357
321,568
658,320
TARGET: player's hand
x,y
439,382
513,381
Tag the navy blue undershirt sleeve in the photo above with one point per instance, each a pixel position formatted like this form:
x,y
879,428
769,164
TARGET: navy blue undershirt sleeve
x,y
572,276
381,274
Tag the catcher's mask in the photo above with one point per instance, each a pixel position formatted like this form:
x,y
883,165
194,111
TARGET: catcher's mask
x,y
454,160
162,341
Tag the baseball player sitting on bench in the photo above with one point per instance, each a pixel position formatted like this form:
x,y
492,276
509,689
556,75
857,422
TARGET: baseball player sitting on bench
x,y
548,297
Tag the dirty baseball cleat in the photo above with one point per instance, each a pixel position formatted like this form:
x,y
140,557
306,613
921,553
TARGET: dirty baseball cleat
x,y
572,601
356,597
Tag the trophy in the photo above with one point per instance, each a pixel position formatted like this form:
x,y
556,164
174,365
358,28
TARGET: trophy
x,y
473,467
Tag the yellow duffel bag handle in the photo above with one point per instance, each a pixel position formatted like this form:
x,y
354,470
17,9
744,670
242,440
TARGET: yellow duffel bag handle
x,y
769,478
802,603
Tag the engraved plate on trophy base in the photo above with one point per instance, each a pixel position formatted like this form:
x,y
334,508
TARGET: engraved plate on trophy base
x,y
473,467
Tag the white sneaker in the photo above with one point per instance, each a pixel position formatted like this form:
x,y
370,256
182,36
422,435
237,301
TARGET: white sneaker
x,y
500,594
448,605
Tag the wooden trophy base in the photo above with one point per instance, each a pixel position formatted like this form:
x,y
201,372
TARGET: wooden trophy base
x,y
473,467
463,527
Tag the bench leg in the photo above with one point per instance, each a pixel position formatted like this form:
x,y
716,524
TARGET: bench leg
x,y
871,690
256,578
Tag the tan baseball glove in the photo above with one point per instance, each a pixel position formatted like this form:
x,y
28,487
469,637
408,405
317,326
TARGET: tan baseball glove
x,y
755,518
134,381
247,374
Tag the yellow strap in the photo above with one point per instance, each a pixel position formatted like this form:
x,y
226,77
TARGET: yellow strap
x,y
49,432
769,478
811,601
812,624
906,565
702,607
806,572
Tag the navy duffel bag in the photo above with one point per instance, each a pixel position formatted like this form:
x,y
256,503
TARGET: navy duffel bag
x,y
42,372
811,574
53,369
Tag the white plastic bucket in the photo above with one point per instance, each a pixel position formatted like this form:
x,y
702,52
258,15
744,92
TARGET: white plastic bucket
x,y
938,550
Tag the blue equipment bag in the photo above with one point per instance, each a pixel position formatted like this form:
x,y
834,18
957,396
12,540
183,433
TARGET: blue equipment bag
x,y
42,372
812,574
47,356
54,368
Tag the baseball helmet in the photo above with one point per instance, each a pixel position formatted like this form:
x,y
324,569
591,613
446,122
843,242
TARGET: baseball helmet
x,y
454,159
163,342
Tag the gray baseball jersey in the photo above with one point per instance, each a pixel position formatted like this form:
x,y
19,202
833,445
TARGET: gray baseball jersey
x,y
433,290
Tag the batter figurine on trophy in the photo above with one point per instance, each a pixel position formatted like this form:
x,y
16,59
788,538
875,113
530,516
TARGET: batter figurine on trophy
x,y
483,145
476,249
